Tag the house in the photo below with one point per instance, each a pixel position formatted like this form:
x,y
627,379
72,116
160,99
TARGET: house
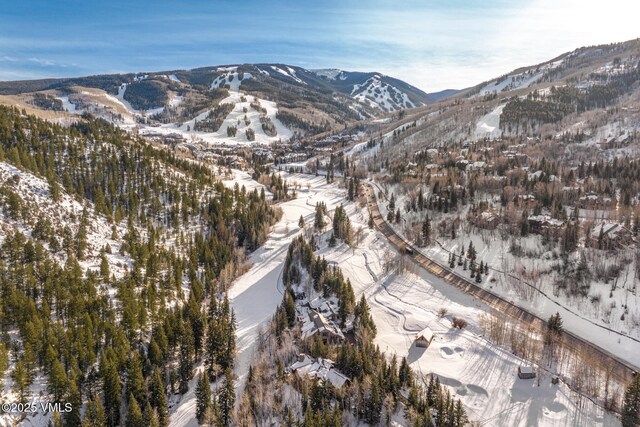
x,y
319,368
487,219
478,165
526,372
608,235
314,323
592,200
432,152
424,338
539,223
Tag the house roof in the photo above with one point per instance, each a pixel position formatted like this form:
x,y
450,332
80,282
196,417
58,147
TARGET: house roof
x,y
319,368
425,334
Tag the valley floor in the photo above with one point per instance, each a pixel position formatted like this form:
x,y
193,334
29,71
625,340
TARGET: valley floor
x,y
482,375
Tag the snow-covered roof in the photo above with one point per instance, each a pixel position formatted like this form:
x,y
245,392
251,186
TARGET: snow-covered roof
x,y
425,334
546,219
319,368
609,229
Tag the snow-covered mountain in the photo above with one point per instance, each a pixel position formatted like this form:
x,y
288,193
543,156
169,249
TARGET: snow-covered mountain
x,y
311,101
375,90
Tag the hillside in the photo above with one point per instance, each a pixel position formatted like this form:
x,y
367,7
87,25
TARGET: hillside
x,y
111,247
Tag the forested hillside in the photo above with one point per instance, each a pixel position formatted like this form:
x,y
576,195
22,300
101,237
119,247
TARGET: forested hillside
x,y
72,329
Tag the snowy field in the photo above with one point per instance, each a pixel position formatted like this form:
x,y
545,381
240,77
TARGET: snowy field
x,y
489,125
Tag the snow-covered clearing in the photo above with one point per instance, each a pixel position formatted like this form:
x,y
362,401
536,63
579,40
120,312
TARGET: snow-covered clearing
x,y
236,118
243,179
519,80
489,125
289,72
378,94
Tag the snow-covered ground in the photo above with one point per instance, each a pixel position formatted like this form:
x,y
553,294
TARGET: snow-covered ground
x,y
378,94
243,179
255,295
597,317
236,118
67,212
288,72
481,374
489,125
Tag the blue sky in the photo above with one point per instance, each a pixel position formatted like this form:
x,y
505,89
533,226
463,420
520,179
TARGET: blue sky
x,y
433,44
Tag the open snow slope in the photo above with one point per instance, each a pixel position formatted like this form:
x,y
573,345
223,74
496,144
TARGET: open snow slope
x,y
236,118
489,125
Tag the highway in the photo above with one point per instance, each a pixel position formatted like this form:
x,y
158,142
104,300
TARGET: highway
x,y
621,370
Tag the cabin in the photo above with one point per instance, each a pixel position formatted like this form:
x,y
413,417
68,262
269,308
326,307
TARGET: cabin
x,y
526,372
424,338
488,220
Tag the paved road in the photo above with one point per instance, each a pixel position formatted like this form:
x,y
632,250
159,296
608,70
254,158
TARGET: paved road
x,y
621,370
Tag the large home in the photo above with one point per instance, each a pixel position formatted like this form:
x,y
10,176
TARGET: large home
x,y
320,369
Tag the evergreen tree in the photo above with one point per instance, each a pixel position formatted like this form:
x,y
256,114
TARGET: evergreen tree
x,y
72,418
134,414
158,399
351,191
21,380
631,405
57,381
319,221
112,390
150,416
227,398
426,229
185,367
135,378
203,396
4,362
94,415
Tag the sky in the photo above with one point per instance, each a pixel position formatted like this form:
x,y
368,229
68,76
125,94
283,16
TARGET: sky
x,y
432,44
